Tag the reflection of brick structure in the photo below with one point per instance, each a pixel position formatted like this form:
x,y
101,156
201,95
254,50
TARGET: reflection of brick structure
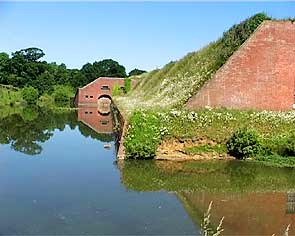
x,y
244,213
101,87
260,75
92,117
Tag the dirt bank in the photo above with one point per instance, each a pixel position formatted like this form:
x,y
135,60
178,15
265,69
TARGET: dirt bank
x,y
175,150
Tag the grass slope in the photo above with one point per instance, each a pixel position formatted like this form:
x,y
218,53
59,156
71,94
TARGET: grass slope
x,y
176,82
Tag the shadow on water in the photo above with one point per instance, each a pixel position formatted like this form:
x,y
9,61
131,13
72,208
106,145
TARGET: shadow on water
x,y
25,129
254,199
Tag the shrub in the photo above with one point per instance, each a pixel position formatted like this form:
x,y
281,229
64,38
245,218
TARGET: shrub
x,y
143,136
244,143
283,145
45,101
127,84
30,95
63,94
116,91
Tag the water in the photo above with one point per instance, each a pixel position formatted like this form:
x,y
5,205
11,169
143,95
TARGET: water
x,y
56,177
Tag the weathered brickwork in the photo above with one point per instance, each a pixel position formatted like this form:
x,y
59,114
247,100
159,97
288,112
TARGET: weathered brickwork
x,y
260,75
90,93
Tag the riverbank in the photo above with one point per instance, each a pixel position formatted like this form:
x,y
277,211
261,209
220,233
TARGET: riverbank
x,y
180,135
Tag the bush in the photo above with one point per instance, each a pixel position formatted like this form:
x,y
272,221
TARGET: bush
x,y
30,95
283,145
116,91
127,85
143,136
45,101
244,143
63,94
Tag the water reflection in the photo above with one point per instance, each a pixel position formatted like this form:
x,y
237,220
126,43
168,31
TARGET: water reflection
x,y
26,129
255,200
100,122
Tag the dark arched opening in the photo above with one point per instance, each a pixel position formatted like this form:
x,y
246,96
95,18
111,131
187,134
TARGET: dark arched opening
x,y
105,96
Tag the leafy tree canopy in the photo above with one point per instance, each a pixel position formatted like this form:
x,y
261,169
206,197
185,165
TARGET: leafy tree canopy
x,y
25,69
107,68
29,54
136,72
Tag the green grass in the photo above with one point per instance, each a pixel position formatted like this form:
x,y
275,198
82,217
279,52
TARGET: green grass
x,y
177,81
218,148
148,128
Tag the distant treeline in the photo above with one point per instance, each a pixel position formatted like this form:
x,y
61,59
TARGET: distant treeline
x,y
25,68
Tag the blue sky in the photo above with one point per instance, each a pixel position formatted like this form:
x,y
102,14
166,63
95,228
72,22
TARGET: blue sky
x,y
144,35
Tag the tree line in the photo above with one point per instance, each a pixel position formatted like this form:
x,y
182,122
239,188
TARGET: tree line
x,y
25,68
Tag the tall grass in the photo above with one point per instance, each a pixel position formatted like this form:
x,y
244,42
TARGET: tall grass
x,y
177,81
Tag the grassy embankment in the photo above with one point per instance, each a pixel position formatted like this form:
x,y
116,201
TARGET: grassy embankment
x,y
147,129
154,108
177,81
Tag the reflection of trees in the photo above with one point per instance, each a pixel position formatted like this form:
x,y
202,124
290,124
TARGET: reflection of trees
x,y
28,129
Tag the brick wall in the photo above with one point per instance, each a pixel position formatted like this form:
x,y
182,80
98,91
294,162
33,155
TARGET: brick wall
x,y
260,75
98,122
90,93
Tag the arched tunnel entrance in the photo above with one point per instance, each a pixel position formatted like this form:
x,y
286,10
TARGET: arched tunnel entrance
x,y
104,104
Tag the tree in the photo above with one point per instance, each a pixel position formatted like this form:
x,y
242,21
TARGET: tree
x,y
30,95
136,72
63,94
29,54
4,58
110,68
107,68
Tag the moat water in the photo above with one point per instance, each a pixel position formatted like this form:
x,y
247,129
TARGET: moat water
x,y
57,177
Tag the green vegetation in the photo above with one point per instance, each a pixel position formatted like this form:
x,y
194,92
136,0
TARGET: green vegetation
x,y
136,72
144,136
10,96
30,95
283,145
244,143
273,133
176,82
116,90
218,148
63,94
127,85
24,69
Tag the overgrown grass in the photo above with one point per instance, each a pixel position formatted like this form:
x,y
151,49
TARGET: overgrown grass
x,y
144,135
176,82
148,128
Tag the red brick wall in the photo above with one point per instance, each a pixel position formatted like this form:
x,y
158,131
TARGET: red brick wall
x,y
91,117
93,90
260,75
